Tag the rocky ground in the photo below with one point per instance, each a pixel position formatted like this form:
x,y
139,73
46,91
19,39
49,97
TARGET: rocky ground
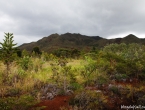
x,y
52,101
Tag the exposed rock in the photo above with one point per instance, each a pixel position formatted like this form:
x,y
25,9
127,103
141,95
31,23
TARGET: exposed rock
x,y
49,96
49,91
69,92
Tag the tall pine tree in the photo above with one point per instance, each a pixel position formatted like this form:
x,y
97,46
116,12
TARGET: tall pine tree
x,y
8,50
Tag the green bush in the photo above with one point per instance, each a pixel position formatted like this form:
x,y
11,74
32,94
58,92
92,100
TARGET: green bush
x,y
13,91
75,86
115,90
88,100
25,63
24,102
120,76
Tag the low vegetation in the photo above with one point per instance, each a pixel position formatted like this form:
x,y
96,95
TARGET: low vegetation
x,y
100,79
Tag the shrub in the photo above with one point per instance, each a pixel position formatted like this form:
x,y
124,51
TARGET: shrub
x,y
114,89
17,103
25,63
13,91
88,100
75,86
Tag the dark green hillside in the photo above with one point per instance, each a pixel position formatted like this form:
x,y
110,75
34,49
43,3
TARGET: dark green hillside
x,y
77,41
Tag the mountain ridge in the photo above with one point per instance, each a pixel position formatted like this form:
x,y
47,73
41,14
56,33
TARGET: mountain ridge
x,y
77,41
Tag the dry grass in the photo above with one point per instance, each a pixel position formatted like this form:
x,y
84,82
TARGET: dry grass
x,y
75,63
29,78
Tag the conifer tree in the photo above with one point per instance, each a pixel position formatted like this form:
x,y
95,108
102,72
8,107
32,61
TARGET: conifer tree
x,y
8,50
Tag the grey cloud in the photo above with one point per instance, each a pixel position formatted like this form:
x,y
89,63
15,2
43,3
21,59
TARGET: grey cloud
x,y
35,19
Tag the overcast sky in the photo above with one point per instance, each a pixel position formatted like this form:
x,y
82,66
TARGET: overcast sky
x,y
30,20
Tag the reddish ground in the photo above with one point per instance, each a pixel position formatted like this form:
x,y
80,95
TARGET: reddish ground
x,y
55,104
62,101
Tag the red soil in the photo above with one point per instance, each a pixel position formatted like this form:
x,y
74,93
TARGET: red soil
x,y
62,101
55,104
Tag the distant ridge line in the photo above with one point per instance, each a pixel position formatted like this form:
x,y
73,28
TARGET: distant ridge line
x,y
77,41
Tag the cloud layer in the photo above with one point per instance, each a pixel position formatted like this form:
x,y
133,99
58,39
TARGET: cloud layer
x,y
31,20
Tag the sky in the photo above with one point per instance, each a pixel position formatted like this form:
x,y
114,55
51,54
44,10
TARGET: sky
x,y
31,20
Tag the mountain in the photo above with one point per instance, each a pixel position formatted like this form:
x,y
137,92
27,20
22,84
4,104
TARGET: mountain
x,y
77,41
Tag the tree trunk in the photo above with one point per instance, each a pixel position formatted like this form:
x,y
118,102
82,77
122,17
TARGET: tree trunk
x,y
7,68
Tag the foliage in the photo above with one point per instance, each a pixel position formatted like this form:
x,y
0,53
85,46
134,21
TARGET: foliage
x,y
75,86
62,53
74,53
37,51
25,53
101,79
86,100
19,53
8,50
115,90
17,103
119,77
123,58
89,69
25,63
113,65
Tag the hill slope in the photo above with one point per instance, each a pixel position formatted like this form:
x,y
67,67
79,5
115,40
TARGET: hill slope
x,y
77,41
